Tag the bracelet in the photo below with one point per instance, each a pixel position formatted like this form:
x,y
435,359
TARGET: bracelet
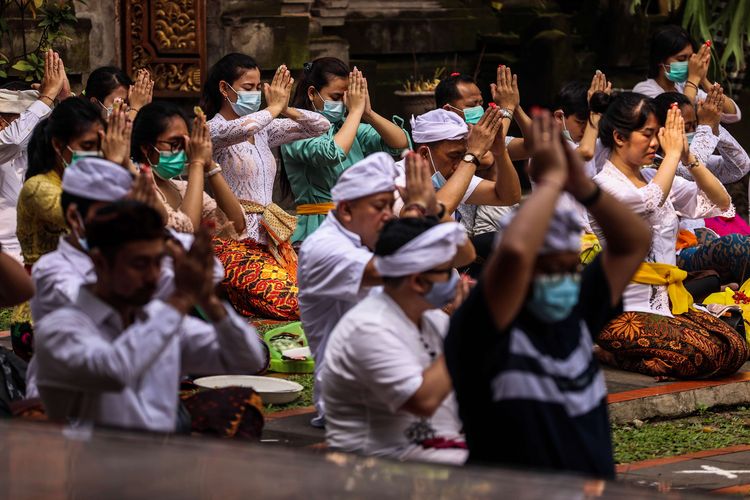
x,y
507,113
693,164
421,209
213,171
691,83
592,198
47,97
134,109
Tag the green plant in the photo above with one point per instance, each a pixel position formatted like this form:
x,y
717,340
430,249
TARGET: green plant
x,y
51,20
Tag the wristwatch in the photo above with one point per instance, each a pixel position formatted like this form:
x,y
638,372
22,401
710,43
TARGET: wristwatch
x,y
471,158
506,113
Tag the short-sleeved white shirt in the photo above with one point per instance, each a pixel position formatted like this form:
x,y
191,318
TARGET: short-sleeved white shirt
x,y
652,89
373,366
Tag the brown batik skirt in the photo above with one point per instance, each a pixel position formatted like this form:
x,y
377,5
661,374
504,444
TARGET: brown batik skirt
x,y
693,345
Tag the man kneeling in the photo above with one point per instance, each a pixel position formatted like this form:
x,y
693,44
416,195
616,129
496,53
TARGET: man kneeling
x,y
114,357
385,385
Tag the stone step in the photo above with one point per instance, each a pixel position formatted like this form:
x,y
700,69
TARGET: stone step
x,y
634,396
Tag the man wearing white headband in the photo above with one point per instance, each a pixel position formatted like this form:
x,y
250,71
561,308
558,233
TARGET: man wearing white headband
x,y
336,268
385,385
20,111
443,139
520,348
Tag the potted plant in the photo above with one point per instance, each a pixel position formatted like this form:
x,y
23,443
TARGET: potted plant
x,y
417,94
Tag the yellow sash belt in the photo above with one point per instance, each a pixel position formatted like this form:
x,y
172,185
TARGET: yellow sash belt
x,y
315,208
672,276
280,226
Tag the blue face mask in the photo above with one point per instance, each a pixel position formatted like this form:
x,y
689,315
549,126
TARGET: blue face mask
x,y
554,296
438,180
332,110
677,71
170,164
248,101
473,115
442,293
690,137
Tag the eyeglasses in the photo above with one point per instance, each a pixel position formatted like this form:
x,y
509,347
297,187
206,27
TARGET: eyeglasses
x,y
174,146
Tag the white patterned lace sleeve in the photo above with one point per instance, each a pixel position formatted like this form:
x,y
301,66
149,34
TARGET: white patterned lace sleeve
x,y
225,133
285,130
704,143
644,201
691,202
732,163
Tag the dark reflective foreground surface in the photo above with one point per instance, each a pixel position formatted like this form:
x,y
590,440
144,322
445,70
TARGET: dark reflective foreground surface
x,y
49,462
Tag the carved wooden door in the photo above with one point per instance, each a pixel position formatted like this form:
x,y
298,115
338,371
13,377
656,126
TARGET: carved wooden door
x,y
168,37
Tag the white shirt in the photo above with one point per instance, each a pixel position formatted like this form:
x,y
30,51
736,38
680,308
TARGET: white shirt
x,y
58,275
374,364
332,262
652,89
684,199
93,370
730,165
14,140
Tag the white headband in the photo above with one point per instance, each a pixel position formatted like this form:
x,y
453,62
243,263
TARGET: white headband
x,y
375,174
438,125
435,246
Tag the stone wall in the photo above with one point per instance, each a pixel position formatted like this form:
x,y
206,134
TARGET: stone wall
x,y
104,38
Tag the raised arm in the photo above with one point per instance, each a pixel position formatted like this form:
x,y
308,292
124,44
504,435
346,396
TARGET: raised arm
x,y
509,271
672,140
505,94
393,135
355,99
587,146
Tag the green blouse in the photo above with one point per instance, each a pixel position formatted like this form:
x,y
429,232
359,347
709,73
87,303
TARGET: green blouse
x,y
314,165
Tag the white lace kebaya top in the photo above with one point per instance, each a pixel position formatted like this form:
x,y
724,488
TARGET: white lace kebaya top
x,y
732,162
684,199
243,149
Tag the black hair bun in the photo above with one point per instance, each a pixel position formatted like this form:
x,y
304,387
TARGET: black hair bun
x,y
307,67
600,102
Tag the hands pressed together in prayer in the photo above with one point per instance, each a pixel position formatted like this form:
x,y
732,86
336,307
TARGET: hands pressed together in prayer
x,y
54,85
418,194
709,109
141,92
278,91
115,141
193,276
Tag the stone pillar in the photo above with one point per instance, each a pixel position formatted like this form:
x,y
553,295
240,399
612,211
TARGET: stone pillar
x,y
104,38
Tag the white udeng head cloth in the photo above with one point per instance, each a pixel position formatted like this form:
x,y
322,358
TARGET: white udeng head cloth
x,y
97,179
435,246
565,230
16,101
375,174
438,125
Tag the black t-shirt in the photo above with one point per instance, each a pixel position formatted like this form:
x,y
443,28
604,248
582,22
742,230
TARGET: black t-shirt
x,y
533,395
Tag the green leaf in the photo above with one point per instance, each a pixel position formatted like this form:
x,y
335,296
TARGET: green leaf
x,y
3,74
23,65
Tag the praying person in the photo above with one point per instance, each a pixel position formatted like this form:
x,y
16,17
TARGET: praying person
x,y
336,262
661,333
74,129
313,165
459,93
386,389
109,84
20,112
114,357
675,66
519,351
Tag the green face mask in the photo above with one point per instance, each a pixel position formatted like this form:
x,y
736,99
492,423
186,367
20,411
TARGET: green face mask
x,y
676,72
473,115
78,154
170,164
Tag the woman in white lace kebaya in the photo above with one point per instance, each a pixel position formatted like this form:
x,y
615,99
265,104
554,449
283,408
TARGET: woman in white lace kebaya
x,y
660,333
261,270
729,253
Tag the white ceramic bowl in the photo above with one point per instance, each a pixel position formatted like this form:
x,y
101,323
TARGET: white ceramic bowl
x,y
272,390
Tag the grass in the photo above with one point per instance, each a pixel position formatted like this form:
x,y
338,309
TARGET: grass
x,y
5,318
305,398
707,429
